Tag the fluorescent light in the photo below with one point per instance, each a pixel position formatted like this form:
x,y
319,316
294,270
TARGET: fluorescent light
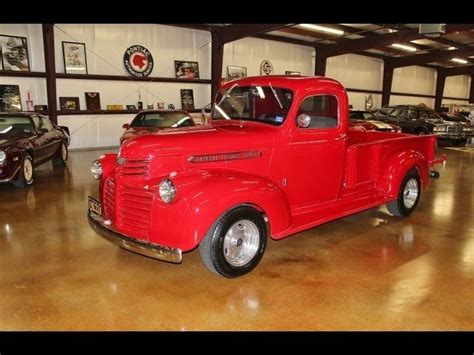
x,y
404,47
458,60
322,29
451,48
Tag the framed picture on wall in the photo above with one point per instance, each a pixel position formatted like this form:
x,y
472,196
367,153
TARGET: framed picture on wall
x,y
14,52
74,56
10,98
69,103
187,99
186,70
235,72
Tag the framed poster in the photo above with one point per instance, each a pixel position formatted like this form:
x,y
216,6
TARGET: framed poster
x,y
235,72
74,56
69,103
369,102
10,98
14,52
92,100
187,99
186,70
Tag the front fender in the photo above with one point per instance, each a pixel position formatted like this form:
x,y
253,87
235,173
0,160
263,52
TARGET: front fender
x,y
203,196
395,167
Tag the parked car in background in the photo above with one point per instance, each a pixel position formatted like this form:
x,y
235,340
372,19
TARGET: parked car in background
x,y
421,120
148,121
366,121
26,141
467,125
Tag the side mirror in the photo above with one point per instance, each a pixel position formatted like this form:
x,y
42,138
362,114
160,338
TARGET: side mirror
x,y
303,120
126,126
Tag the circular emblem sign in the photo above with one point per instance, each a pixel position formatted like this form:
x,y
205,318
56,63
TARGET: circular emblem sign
x,y
266,67
138,61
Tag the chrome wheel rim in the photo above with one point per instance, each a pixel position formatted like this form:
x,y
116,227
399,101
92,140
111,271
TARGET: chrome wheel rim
x,y
421,133
410,193
241,242
28,170
64,152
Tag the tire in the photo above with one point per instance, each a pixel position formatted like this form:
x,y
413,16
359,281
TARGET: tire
x,y
461,142
235,243
61,156
26,173
421,131
408,196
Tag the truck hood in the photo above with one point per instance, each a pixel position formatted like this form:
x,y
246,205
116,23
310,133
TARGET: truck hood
x,y
220,137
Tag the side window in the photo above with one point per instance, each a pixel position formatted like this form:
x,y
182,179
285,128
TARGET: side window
x,y
47,123
322,110
403,114
424,115
414,115
37,122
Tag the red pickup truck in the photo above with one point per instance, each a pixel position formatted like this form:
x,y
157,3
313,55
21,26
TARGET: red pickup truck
x,y
277,159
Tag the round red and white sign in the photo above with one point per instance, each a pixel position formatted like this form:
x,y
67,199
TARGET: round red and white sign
x,y
138,61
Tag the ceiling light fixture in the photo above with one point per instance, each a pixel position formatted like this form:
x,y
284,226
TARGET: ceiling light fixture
x,y
322,29
404,47
452,48
458,60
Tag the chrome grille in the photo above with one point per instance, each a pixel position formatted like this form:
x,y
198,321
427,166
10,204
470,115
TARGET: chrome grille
x,y
454,129
109,198
137,167
134,210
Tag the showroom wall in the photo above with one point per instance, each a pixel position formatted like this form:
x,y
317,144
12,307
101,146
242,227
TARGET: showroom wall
x,y
36,86
360,73
250,52
106,44
457,86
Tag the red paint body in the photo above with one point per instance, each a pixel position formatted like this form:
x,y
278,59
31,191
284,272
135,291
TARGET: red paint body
x,y
299,179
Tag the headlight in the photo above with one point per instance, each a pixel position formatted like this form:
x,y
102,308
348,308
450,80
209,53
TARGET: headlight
x,y
467,129
167,191
3,157
96,169
439,129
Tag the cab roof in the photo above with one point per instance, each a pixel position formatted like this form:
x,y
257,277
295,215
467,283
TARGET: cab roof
x,y
287,81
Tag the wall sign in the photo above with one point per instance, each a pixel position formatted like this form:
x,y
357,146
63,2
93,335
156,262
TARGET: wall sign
x,y
266,68
138,61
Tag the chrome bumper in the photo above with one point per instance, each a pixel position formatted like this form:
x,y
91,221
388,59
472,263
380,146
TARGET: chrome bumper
x,y
155,251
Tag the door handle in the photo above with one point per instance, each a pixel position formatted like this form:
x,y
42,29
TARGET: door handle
x,y
344,136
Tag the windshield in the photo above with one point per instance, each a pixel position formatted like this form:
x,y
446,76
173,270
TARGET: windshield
x,y
266,104
162,119
455,117
15,125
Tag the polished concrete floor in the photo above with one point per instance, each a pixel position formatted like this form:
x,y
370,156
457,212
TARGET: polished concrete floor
x,y
364,272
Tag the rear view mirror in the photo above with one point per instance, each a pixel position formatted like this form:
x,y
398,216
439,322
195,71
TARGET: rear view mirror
x,y
303,121
126,126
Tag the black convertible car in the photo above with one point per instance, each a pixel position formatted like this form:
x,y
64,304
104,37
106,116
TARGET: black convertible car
x,y
28,140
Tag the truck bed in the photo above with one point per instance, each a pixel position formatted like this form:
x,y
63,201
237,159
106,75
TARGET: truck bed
x,y
366,151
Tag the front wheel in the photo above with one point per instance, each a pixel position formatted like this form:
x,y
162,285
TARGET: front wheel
x,y
235,243
26,173
408,196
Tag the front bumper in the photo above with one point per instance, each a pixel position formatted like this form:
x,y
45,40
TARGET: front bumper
x,y
97,223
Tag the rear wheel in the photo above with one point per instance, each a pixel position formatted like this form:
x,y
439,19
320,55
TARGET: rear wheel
x,y
421,131
408,196
235,243
61,156
26,173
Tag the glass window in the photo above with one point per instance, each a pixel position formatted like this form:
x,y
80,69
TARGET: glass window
x,y
162,119
47,123
414,115
265,104
15,125
403,114
322,109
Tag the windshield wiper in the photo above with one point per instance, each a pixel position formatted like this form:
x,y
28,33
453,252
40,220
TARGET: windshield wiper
x,y
6,130
276,96
221,111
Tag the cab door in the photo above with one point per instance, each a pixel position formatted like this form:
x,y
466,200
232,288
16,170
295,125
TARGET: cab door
x,y
317,152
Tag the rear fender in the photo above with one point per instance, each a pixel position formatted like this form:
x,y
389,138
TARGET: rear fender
x,y
395,167
203,196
